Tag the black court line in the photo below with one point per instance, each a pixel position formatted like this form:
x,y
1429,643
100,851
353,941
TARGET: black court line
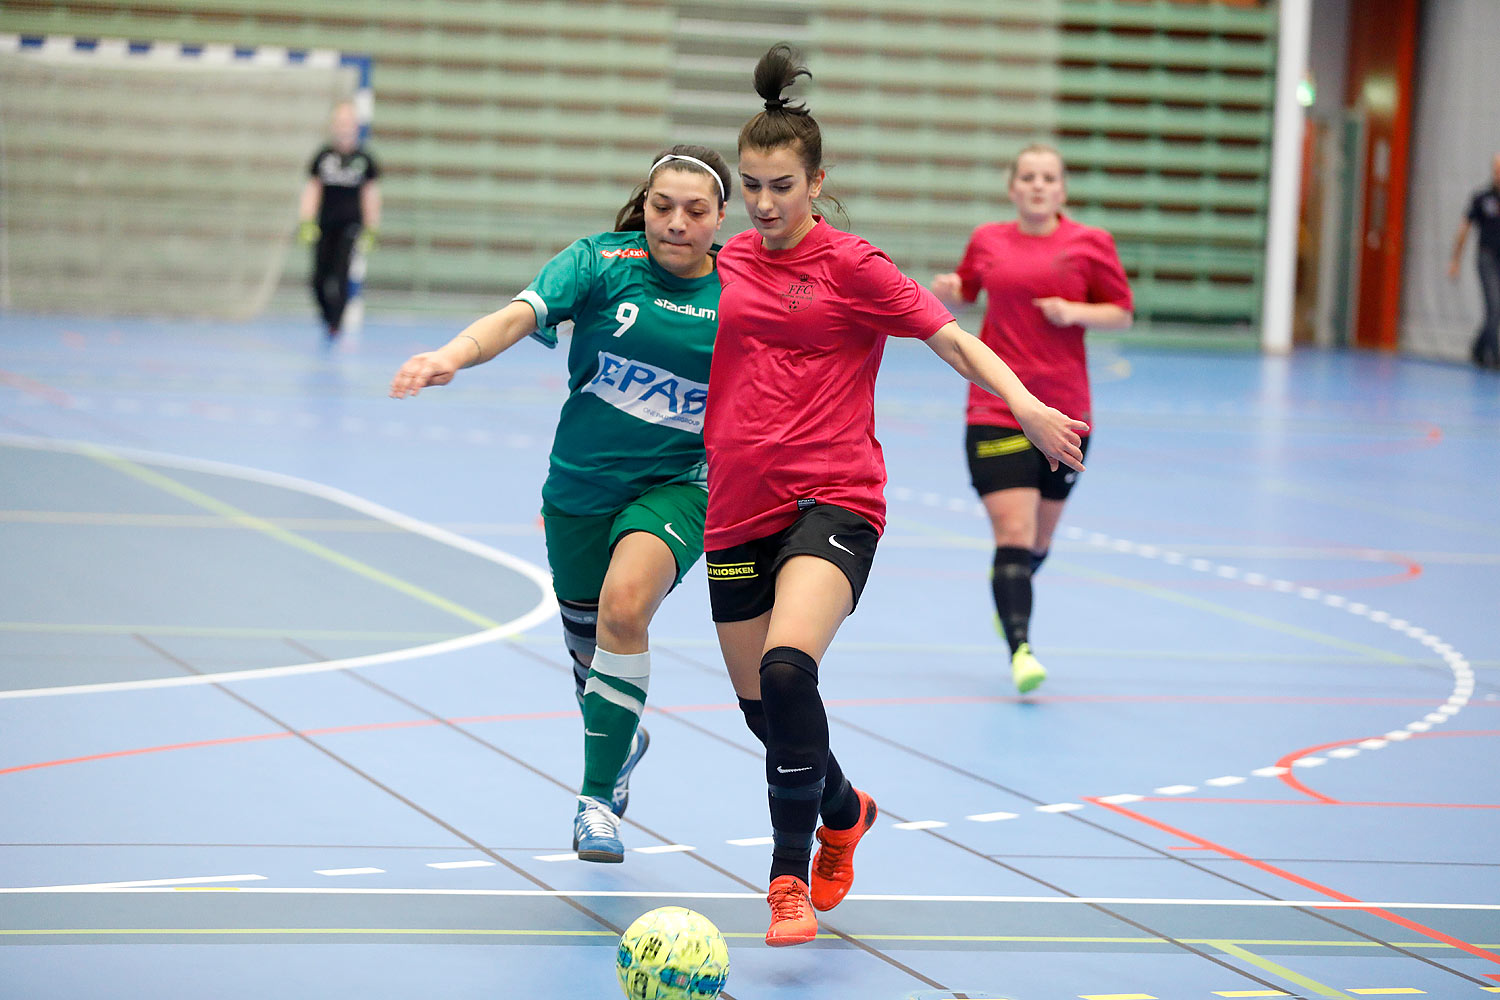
x,y
516,869
992,859
638,825
1165,855
568,787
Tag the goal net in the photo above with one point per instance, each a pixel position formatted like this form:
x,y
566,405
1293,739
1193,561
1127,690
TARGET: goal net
x,y
154,179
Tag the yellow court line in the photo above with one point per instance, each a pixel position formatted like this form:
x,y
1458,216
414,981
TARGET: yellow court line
x,y
1115,996
237,516
1260,621
456,931
1279,971
103,519
1172,596
1387,991
358,525
219,632
954,939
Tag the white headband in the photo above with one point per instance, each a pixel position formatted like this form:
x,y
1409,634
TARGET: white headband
x,y
723,195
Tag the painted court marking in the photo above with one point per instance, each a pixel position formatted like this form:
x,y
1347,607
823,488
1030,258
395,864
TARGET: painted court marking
x,y
181,885
545,609
1463,674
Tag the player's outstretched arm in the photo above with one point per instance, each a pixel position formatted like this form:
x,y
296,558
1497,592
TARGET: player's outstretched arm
x,y
480,341
1053,432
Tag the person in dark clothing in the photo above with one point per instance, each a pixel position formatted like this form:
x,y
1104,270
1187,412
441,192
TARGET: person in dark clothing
x,y
340,210
1484,212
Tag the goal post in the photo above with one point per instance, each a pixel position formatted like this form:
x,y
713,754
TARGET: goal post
x,y
156,178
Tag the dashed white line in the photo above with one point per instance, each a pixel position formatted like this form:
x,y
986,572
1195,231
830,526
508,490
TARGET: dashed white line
x,y
1121,799
993,817
921,824
336,872
448,865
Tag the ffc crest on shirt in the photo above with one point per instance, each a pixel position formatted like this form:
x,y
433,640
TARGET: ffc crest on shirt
x,y
799,294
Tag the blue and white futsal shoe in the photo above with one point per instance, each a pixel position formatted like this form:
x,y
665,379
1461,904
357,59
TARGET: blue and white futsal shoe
x,y
596,832
638,744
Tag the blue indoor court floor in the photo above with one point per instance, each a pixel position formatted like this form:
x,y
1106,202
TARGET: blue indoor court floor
x,y
284,707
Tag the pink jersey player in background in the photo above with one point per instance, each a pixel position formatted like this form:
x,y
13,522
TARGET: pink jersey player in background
x,y
1047,280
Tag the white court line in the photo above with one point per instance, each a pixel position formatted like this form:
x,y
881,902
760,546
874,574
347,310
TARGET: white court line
x,y
544,611
760,897
993,817
154,882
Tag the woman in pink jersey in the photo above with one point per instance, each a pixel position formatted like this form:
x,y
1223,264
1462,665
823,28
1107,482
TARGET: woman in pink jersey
x,y
1047,280
796,477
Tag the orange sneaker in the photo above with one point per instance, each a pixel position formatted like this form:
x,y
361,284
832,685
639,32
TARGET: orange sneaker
x,y
792,918
833,865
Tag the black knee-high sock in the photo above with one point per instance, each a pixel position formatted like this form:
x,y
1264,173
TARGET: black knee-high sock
x,y
1011,585
796,756
839,806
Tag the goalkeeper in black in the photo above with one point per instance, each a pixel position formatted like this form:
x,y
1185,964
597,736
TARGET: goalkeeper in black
x,y
340,210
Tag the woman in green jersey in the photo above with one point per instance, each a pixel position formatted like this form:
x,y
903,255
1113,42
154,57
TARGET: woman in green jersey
x,y
625,494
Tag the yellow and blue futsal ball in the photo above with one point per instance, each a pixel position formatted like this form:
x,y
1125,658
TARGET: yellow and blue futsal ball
x,y
672,953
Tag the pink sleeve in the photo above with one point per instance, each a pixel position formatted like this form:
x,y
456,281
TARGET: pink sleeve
x,y
886,299
1107,281
968,269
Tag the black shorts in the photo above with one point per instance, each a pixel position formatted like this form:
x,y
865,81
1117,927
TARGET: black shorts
x,y
1001,458
742,578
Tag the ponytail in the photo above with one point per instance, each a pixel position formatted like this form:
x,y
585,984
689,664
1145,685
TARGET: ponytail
x,y
783,124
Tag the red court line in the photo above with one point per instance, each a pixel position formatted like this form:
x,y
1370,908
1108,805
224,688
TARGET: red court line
x,y
1305,883
1088,699
327,731
32,387
674,709
1291,780
1305,802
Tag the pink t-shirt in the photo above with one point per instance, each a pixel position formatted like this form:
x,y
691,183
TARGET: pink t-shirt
x,y
1074,262
791,390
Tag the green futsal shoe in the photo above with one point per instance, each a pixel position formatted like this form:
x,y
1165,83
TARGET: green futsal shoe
x,y
1025,669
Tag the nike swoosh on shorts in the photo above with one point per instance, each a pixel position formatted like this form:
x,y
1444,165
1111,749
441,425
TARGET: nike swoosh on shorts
x,y
834,542
668,529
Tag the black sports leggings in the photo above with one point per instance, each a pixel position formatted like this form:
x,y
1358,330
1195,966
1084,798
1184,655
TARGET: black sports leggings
x,y
1487,342
330,280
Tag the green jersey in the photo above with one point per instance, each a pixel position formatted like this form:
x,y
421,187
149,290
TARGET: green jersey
x,y
637,371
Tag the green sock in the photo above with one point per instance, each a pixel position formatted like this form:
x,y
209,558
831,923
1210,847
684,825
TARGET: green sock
x,y
613,700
